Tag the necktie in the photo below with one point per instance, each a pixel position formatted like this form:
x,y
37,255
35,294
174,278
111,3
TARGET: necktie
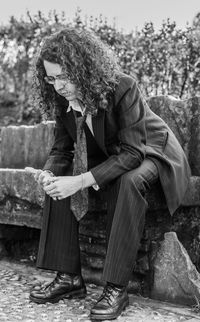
x,y
79,200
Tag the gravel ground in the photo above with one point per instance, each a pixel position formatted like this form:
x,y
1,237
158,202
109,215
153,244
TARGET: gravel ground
x,y
17,279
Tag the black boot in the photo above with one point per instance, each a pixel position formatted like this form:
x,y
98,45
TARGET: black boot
x,y
63,286
111,303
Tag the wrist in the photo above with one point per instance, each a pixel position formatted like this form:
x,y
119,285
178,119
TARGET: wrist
x,y
80,181
86,180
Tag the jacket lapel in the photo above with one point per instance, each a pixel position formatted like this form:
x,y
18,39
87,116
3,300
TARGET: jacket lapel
x,y
97,124
69,121
99,130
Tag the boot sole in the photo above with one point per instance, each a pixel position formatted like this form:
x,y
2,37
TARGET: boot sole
x,y
110,316
73,294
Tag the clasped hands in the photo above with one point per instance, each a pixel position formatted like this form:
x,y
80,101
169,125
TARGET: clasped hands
x,y
58,187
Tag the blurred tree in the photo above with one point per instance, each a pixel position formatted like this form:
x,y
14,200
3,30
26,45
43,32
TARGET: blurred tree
x,y
164,62
196,21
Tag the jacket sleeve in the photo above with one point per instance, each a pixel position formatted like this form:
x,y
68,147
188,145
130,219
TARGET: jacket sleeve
x,y
61,154
130,114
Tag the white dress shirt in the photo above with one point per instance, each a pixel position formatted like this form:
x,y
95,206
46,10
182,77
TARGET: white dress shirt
x,y
76,107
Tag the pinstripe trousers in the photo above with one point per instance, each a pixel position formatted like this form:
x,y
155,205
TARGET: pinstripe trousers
x,y
126,207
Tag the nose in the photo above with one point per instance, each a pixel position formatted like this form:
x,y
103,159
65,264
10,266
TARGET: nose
x,y
58,84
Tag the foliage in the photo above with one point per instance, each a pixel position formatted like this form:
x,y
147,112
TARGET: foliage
x,y
165,62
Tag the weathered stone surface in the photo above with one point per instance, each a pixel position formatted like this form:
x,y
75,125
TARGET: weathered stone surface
x,y
156,198
183,117
93,262
17,183
20,217
3,251
20,184
194,142
93,248
174,112
175,277
23,145
192,196
21,199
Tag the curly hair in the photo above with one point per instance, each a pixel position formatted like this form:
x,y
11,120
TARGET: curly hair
x,y
88,63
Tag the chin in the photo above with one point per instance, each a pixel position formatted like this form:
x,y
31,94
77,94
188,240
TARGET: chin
x,y
70,98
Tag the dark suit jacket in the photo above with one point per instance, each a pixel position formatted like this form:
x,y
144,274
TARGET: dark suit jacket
x,y
127,133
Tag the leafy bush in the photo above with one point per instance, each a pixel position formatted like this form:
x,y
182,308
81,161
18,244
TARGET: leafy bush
x,y
164,62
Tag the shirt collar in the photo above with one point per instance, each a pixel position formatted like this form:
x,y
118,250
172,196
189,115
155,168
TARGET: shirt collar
x,y
74,105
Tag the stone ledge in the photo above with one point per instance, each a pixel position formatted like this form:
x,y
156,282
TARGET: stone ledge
x,y
19,184
21,198
26,145
156,198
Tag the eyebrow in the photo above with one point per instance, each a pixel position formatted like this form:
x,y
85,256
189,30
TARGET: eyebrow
x,y
57,75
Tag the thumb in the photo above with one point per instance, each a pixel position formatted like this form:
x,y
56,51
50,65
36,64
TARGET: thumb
x,y
33,171
53,179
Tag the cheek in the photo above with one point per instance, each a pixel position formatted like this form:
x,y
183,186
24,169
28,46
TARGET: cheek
x,y
58,85
72,88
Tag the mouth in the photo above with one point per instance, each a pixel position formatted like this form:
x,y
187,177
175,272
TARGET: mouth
x,y
64,93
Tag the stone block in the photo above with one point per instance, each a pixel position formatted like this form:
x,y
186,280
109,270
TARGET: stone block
x,y
175,277
192,196
17,183
23,145
194,142
183,117
21,199
174,112
156,198
21,196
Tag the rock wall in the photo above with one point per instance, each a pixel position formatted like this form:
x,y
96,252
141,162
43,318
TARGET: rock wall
x,y
176,279
183,117
25,145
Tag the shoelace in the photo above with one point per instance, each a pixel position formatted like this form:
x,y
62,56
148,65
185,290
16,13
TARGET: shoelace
x,y
108,293
50,285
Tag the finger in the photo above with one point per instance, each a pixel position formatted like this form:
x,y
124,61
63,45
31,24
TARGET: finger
x,y
46,181
34,172
53,179
55,195
57,198
50,188
37,175
52,194
41,177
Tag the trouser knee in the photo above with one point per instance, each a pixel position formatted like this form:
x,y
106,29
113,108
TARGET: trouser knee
x,y
134,180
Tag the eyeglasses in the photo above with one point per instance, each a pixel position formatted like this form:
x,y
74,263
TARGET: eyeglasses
x,y
51,79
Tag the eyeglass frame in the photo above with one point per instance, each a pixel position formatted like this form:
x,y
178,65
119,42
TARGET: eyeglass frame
x,y
61,77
